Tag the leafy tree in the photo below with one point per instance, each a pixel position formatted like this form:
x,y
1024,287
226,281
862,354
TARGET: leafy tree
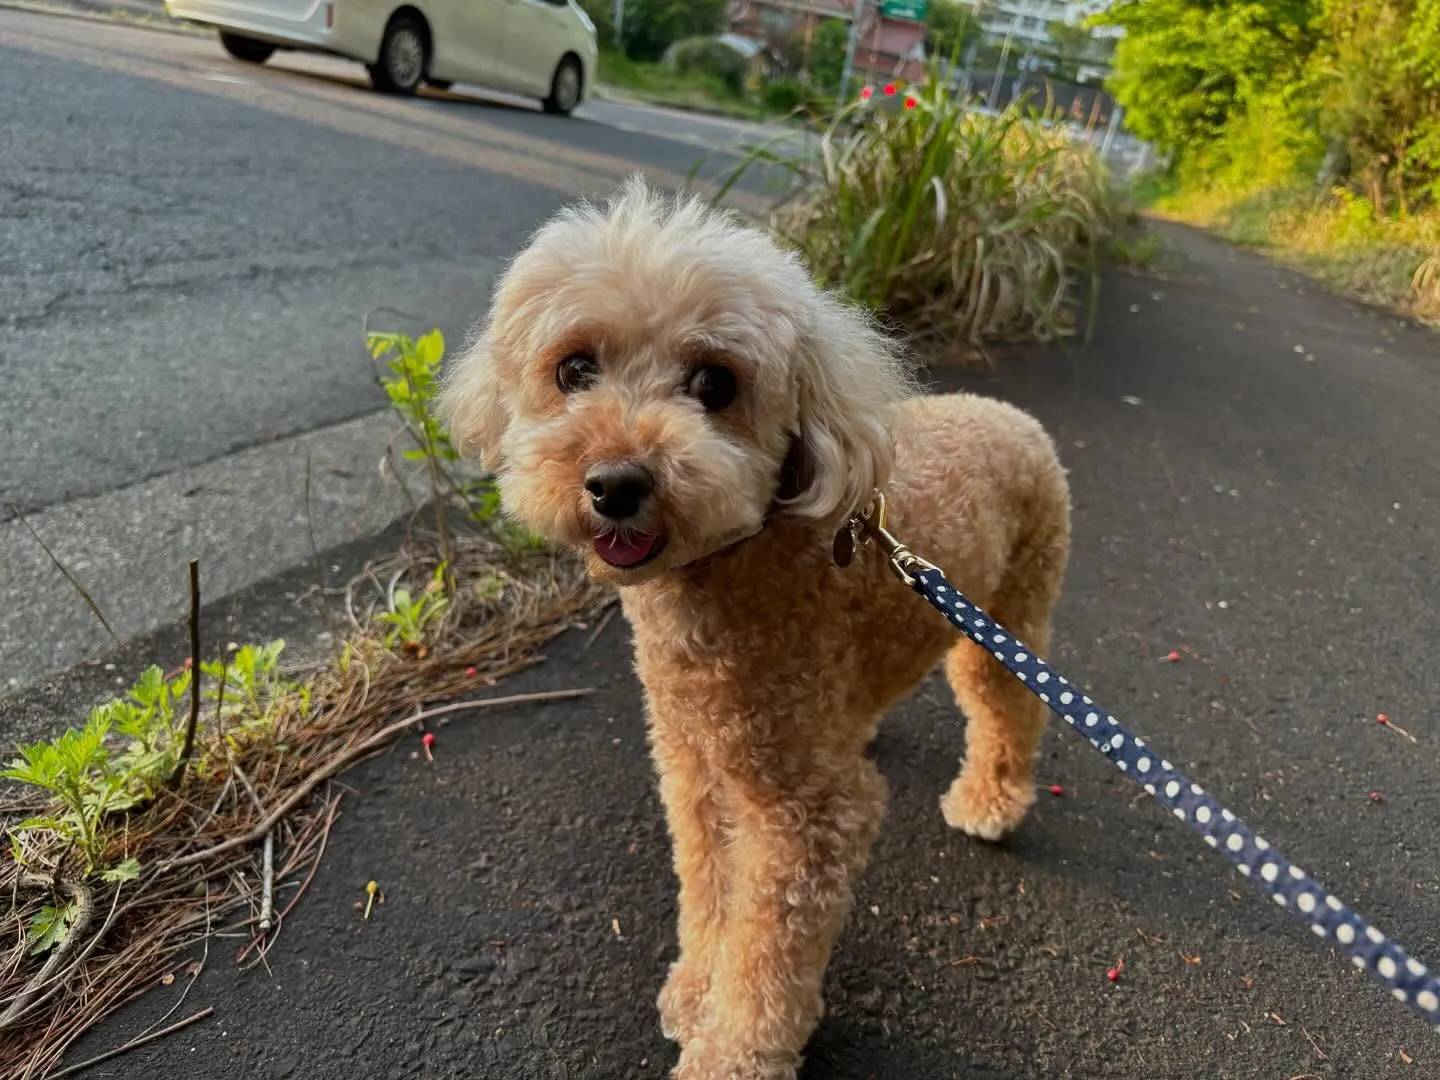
x,y
1378,71
1251,93
1184,67
950,28
602,14
651,26
1071,41
827,54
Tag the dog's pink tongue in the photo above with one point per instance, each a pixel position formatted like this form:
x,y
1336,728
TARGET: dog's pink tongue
x,y
624,551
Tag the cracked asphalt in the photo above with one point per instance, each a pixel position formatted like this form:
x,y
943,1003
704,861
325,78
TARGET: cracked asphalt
x,y
1253,467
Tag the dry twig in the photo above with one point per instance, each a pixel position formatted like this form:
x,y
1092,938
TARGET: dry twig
x,y
192,721
239,789
132,1044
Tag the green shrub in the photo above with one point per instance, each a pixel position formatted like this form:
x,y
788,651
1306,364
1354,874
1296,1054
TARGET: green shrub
x,y
789,96
783,95
652,26
709,56
963,228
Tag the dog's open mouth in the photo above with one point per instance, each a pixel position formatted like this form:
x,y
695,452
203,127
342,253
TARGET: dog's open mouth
x,y
629,549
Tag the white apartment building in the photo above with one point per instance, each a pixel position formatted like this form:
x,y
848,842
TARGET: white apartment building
x,y
1025,21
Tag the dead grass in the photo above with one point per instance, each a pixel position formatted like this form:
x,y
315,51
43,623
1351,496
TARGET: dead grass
x,y
963,229
201,846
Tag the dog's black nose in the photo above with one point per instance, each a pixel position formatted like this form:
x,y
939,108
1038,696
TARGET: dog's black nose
x,y
616,491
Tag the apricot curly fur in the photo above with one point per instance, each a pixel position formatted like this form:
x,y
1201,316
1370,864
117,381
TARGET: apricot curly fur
x,y
766,669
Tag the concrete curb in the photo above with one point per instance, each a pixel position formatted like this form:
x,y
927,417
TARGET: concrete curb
x,y
243,516
142,16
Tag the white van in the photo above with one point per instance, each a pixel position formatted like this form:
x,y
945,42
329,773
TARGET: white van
x,y
544,49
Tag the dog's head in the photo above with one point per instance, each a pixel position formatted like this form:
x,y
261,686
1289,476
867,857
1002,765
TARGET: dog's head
x,y
655,378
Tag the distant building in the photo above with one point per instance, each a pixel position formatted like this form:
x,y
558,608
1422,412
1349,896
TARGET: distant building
x,y
889,48
886,48
1025,21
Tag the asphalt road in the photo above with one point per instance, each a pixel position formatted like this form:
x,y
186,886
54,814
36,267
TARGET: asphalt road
x,y
189,247
1252,464
187,237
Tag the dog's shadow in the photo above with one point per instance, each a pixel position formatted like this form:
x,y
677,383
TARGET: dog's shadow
x,y
834,1054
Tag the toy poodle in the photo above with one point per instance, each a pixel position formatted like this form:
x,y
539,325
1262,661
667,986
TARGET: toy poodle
x,y
662,388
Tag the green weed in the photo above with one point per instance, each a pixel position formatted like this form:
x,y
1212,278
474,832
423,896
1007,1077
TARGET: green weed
x,y
412,385
409,616
247,694
124,755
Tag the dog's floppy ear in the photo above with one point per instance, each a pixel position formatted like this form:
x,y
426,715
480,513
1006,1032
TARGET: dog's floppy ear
x,y
471,402
850,378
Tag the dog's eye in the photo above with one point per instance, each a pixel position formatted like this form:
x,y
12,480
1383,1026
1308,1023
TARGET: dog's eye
x,y
713,386
576,372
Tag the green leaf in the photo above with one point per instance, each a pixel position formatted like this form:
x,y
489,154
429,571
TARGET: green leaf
x,y
430,349
128,870
50,823
49,926
149,688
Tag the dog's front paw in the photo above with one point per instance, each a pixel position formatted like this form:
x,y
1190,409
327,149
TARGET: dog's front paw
x,y
984,806
704,1060
682,1001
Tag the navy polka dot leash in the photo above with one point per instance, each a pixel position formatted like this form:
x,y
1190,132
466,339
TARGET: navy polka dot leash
x,y
1267,869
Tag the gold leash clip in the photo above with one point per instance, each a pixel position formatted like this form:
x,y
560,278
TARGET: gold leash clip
x,y
870,525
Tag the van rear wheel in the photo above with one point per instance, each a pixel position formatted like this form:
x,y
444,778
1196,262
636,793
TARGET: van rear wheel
x,y
404,56
244,48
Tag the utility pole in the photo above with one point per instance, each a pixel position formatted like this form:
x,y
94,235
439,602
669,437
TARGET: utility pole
x,y
1004,59
619,21
850,44
1117,114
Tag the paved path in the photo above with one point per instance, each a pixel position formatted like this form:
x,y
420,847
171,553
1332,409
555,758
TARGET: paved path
x,y
188,248
1253,468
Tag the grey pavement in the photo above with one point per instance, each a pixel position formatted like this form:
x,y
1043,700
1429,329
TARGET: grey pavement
x,y
188,250
1251,465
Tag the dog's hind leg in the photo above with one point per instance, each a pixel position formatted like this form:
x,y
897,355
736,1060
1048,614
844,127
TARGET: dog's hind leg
x,y
1004,718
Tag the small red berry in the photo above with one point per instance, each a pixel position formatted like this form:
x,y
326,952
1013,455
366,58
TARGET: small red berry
x,y
428,740
1375,796
1113,974
1382,719
1173,657
1056,789
471,672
